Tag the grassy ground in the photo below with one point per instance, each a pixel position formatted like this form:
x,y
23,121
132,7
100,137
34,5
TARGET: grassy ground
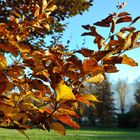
x,y
83,134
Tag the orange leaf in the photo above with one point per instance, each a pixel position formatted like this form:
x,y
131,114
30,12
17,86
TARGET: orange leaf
x,y
58,127
81,99
3,62
123,14
67,120
89,65
129,61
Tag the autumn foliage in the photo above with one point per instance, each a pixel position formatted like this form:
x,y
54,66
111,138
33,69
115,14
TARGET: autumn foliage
x,y
39,85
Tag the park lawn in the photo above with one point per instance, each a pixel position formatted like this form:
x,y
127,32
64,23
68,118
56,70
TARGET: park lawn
x,y
82,134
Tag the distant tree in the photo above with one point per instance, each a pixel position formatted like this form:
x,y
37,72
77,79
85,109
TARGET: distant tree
x,y
105,110
135,109
122,89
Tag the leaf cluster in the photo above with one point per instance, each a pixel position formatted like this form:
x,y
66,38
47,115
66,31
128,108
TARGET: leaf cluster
x,y
41,87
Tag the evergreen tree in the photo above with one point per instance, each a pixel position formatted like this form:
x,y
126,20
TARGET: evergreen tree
x,y
105,110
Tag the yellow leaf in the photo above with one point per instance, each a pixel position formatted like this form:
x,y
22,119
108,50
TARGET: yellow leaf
x,y
64,93
58,127
37,10
44,4
96,79
3,62
90,97
128,41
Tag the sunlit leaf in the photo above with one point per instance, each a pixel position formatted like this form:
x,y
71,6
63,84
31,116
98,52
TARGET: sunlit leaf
x,y
90,97
129,61
67,120
81,99
3,62
96,79
44,4
37,10
63,92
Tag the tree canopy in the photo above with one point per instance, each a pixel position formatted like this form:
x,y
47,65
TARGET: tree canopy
x,y
39,84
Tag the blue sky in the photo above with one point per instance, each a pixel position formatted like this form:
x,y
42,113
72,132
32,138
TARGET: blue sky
x,y
100,10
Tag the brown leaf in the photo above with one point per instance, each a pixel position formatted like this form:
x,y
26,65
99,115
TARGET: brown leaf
x,y
135,20
105,22
100,55
123,14
110,68
58,127
113,60
113,26
129,29
124,19
89,65
76,61
99,40
86,52
120,60
71,74
92,29
9,48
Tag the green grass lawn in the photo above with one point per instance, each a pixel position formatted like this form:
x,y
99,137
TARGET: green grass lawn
x,y
82,134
